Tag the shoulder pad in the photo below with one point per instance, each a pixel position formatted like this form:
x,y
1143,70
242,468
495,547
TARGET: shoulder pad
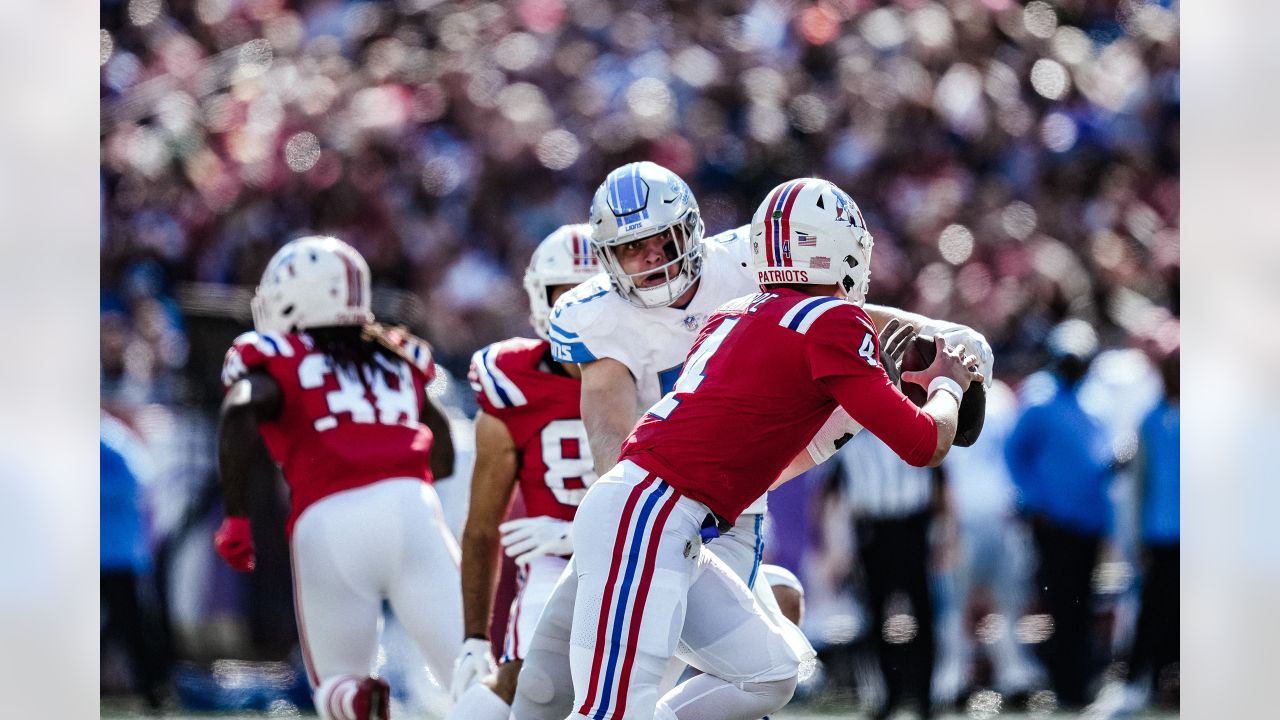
x,y
254,350
493,387
589,310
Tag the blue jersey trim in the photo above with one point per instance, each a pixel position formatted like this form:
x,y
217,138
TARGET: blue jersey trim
x,y
800,316
484,356
571,352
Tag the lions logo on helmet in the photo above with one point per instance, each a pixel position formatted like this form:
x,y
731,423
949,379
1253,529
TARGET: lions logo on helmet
x,y
638,201
808,231
315,281
564,257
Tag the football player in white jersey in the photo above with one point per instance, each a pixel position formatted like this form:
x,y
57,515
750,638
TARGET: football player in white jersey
x,y
629,329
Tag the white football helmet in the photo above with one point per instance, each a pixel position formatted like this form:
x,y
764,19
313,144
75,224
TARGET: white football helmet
x,y
808,231
564,257
311,282
634,202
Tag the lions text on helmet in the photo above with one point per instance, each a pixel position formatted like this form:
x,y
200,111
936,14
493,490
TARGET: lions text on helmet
x,y
646,202
315,281
564,257
809,231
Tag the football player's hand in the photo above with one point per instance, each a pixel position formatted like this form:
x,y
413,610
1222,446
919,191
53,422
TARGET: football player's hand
x,y
528,538
234,542
474,662
895,338
953,361
975,343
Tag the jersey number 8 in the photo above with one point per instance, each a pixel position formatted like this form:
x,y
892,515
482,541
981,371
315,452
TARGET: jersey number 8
x,y
567,456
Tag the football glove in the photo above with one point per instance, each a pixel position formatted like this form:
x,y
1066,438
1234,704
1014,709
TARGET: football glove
x,y
474,662
234,542
973,341
528,538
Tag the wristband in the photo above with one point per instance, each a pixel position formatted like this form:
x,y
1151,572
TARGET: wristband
x,y
945,384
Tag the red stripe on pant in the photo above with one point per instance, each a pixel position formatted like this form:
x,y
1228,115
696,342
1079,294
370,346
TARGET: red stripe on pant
x,y
642,594
605,602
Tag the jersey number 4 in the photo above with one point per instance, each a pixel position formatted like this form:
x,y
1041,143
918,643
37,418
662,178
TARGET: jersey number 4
x,y
694,370
567,456
390,406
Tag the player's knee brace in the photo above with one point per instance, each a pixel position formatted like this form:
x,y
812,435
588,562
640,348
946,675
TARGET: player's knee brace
x,y
771,695
541,695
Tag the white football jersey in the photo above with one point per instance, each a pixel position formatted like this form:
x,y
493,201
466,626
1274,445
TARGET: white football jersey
x,y
592,321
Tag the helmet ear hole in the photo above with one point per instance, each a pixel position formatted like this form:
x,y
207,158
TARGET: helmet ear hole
x,y
287,311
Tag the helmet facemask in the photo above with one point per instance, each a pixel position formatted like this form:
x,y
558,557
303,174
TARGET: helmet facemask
x,y
636,202
684,250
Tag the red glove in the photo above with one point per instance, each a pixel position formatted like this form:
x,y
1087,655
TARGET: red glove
x,y
234,542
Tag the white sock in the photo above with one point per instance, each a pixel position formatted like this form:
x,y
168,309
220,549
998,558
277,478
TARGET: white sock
x,y
479,703
335,698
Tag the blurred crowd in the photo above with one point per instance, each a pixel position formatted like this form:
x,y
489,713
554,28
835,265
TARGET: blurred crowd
x,y
1018,164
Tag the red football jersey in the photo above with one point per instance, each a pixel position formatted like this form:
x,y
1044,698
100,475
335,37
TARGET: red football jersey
x,y
513,383
765,373
337,431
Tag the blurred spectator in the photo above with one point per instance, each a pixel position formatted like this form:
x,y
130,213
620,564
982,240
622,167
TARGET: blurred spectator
x,y
127,604
1155,646
1062,462
893,508
1021,159
992,579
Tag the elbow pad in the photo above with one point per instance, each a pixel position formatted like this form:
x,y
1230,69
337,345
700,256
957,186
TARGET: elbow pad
x,y
834,433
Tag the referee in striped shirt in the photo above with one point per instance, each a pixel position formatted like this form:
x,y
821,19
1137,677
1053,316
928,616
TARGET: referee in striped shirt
x,y
892,504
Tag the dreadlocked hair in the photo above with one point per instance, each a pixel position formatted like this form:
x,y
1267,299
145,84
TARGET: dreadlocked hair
x,y
359,345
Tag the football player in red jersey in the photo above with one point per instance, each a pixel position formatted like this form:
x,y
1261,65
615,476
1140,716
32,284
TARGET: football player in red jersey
x,y
529,432
341,404
766,372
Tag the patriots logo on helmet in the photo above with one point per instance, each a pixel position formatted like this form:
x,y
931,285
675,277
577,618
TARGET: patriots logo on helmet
x,y
846,206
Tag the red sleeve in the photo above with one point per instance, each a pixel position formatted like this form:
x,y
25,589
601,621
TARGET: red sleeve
x,y
249,352
844,356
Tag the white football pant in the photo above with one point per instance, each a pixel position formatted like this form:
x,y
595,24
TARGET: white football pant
x,y
352,550
645,583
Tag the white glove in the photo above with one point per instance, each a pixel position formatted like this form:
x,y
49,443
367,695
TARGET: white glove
x,y
474,662
838,428
528,538
973,341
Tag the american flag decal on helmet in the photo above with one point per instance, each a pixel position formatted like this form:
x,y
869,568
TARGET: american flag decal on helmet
x,y
806,240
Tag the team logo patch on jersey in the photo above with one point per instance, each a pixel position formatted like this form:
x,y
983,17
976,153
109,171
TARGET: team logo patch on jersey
x,y
693,322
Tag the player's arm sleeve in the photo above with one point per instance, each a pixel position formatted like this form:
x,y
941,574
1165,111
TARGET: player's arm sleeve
x,y
838,359
253,397
492,484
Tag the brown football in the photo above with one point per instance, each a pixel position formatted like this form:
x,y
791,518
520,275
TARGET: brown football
x,y
973,407
919,355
